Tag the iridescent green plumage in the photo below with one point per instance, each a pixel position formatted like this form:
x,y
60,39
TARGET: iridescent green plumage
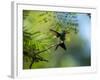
x,y
61,36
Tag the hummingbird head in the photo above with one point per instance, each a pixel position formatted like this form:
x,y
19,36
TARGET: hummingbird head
x,y
65,32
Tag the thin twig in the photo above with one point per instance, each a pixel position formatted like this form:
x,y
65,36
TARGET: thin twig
x,y
46,49
31,63
30,66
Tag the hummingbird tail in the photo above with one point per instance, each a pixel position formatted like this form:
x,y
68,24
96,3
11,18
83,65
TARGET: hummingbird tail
x,y
62,45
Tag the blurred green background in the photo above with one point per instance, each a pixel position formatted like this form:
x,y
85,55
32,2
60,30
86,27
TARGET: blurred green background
x,y
38,51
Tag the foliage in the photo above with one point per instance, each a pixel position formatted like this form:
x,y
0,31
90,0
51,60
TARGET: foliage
x,y
39,42
33,45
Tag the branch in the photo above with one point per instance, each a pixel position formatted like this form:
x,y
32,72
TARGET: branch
x,y
46,49
30,66
26,53
33,60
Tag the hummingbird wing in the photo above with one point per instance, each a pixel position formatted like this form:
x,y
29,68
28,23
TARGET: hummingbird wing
x,y
57,34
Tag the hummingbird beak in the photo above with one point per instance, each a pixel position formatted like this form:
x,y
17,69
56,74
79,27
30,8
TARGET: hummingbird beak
x,y
67,32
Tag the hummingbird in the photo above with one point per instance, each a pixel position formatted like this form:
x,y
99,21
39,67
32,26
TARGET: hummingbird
x,y
61,36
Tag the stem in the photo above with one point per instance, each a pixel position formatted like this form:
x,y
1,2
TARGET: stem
x,y
31,63
46,49
39,53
